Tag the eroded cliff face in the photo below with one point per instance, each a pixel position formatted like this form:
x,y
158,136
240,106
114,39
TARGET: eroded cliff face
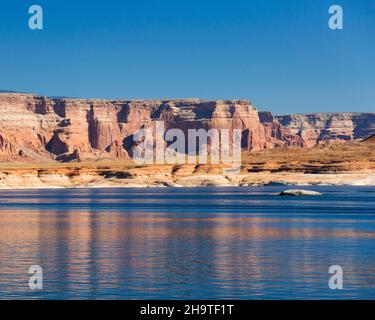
x,y
349,163
326,127
40,128
274,129
34,128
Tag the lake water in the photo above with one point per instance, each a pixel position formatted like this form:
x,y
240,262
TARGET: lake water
x,y
216,243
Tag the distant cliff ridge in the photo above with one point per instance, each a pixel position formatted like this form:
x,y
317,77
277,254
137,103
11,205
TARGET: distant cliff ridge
x,y
324,127
35,128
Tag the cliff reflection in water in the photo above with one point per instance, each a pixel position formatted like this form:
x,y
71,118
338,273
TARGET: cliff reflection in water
x,y
186,243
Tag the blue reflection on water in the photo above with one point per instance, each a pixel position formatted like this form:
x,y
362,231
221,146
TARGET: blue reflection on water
x,y
181,243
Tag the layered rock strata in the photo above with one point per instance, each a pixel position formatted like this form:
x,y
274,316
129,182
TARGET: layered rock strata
x,y
327,127
38,128
41,129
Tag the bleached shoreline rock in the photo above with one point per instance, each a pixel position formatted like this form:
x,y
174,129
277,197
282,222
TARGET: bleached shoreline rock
x,y
299,192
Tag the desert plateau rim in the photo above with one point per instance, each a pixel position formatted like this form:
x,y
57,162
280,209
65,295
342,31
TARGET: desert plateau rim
x,y
66,142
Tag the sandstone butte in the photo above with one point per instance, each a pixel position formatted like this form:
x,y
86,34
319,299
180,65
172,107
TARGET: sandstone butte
x,y
64,142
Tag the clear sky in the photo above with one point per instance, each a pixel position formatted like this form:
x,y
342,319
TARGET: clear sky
x,y
280,54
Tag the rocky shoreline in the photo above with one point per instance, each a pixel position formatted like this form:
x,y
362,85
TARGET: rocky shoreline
x,y
167,176
350,163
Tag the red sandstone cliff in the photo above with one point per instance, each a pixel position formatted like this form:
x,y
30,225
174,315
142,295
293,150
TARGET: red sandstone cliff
x,y
34,128
321,128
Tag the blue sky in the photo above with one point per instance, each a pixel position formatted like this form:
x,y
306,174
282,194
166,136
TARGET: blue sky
x,y
280,54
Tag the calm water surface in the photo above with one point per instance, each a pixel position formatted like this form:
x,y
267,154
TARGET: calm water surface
x,y
244,243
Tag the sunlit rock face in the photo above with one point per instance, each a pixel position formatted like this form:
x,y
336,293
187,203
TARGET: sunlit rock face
x,y
280,135
34,128
321,128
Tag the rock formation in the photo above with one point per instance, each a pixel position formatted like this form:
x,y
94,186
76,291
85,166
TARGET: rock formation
x,y
299,192
348,163
326,127
370,140
40,129
281,134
